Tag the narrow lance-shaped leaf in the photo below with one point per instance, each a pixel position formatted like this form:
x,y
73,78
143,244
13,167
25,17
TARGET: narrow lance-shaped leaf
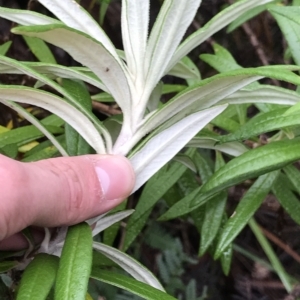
x,y
139,288
246,208
254,163
154,189
87,51
30,72
262,123
5,47
135,21
233,148
130,265
248,165
215,24
73,15
163,146
264,94
287,199
106,222
40,49
75,264
56,71
26,17
214,210
289,23
76,145
37,124
38,278
205,94
57,106
172,22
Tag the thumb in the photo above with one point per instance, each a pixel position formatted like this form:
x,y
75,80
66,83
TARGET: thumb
x,y
60,191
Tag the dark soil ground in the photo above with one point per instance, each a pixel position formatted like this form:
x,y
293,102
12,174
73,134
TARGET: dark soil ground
x,y
258,42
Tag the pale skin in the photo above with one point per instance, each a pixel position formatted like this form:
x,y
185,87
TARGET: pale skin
x,y
58,192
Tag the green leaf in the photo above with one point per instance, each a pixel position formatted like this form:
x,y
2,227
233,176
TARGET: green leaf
x,y
226,259
138,288
287,199
289,23
76,145
23,135
155,188
39,125
247,16
75,264
5,47
38,278
214,211
7,265
212,220
264,122
252,164
246,208
110,233
293,175
40,49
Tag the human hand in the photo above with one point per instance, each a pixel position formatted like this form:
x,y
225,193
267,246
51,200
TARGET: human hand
x,y
58,192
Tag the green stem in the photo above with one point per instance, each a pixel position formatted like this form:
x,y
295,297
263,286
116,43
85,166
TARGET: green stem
x,y
284,277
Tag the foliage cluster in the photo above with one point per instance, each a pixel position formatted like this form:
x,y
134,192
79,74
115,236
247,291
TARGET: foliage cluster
x,y
163,139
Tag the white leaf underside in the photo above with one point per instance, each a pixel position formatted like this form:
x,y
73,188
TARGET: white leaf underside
x,y
106,222
74,16
134,268
59,107
25,17
56,71
264,94
166,144
135,20
232,148
171,24
87,51
220,21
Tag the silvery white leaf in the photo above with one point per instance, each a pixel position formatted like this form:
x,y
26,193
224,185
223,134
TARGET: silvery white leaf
x,y
264,94
232,148
130,265
96,219
170,26
34,121
135,20
87,51
186,161
195,98
181,70
106,222
22,68
57,106
166,144
56,71
26,17
73,15
218,22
